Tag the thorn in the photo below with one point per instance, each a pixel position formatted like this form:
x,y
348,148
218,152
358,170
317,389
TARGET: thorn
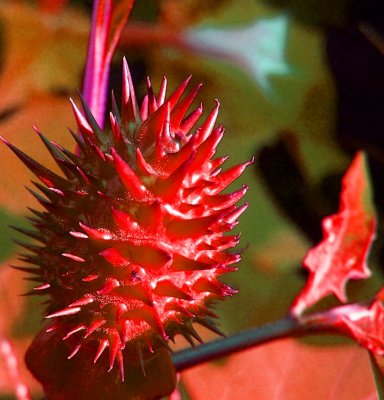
x,y
75,350
157,130
115,257
30,293
182,107
27,258
152,103
208,148
144,108
165,344
193,332
109,285
174,182
128,177
115,108
82,123
187,124
143,165
94,325
141,359
129,106
26,232
83,301
103,344
80,144
188,337
234,215
115,127
73,331
73,257
216,163
83,176
54,190
124,221
32,270
175,96
54,151
166,288
90,278
34,279
162,92
92,120
153,218
166,141
208,125
120,361
37,213
210,325
149,344
42,287
52,328
227,177
96,149
78,235
28,246
98,234
223,201
114,347
42,200
64,312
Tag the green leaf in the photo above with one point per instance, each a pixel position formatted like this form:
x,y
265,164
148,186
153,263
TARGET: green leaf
x,y
258,47
7,246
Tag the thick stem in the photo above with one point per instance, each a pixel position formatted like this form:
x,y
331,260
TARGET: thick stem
x,y
252,337
108,20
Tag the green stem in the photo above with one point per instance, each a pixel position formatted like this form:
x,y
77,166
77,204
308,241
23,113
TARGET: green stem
x,y
252,337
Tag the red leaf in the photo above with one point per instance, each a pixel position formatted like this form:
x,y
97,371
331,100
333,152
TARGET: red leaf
x,y
363,323
348,236
108,20
285,369
366,324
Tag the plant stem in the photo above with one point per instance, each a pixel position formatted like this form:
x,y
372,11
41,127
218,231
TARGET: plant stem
x,y
222,347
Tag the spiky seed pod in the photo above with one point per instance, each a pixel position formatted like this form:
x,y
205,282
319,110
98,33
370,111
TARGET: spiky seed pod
x,y
132,241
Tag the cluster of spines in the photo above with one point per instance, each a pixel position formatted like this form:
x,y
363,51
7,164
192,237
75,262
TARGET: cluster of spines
x,y
133,241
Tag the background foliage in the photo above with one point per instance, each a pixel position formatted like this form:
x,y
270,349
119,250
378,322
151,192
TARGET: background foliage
x,y
293,94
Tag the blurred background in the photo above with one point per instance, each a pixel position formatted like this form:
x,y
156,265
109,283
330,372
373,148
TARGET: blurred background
x,y
301,87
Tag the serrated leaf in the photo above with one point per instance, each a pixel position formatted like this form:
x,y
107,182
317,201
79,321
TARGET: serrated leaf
x,y
363,323
109,18
348,235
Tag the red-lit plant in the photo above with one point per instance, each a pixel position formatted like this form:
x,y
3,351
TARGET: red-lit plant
x,y
133,240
